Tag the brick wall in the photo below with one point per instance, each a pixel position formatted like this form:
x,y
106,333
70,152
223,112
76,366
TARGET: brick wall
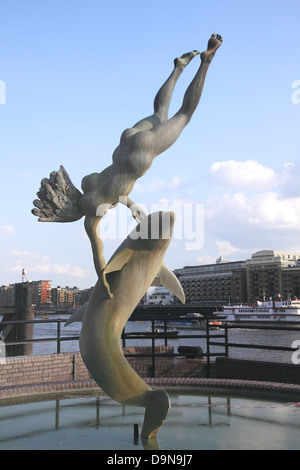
x,y
24,370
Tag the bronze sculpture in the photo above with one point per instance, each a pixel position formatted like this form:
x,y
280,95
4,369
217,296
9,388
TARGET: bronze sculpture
x,y
125,278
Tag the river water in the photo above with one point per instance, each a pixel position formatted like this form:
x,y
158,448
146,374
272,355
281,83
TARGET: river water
x,y
240,336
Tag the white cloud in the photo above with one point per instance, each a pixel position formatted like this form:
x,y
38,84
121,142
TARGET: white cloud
x,y
227,208
247,175
274,211
42,264
228,250
250,222
288,180
225,248
263,210
54,268
258,216
6,229
27,254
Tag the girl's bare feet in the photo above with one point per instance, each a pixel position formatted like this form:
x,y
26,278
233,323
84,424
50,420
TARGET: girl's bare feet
x,y
185,59
213,44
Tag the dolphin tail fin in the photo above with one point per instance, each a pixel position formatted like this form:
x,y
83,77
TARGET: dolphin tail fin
x,y
170,282
77,315
158,404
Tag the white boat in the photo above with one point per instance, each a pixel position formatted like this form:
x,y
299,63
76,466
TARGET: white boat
x,y
270,311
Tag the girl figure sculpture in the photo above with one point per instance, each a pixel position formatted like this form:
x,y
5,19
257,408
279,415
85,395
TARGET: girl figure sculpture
x,y
60,201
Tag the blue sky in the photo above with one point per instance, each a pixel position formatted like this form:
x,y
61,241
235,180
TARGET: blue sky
x,y
77,73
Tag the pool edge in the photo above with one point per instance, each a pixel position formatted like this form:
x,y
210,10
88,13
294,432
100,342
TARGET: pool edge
x,y
257,389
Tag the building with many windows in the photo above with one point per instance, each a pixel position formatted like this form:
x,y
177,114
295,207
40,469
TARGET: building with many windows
x,y
291,282
267,274
41,292
224,282
64,296
273,273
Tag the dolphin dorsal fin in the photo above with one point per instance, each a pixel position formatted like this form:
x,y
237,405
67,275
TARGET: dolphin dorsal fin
x,y
170,282
118,261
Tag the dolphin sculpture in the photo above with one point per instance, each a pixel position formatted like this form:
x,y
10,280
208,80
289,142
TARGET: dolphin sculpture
x,y
135,263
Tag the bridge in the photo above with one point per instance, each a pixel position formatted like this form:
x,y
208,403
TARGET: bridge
x,y
8,310
13,326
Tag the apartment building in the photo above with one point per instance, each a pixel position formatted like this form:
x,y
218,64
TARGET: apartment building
x,y
273,273
291,282
224,281
267,274
41,292
64,296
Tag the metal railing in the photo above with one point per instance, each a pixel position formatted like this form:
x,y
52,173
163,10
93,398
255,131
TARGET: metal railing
x,y
58,338
153,335
207,334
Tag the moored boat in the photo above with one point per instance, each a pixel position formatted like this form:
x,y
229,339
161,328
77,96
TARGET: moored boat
x,y
192,321
270,311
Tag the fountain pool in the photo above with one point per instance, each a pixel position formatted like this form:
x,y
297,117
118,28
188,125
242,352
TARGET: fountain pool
x,y
89,420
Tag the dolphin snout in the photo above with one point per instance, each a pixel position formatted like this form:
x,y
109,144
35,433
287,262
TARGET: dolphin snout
x,y
156,227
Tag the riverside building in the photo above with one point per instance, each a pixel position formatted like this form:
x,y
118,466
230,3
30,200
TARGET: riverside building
x,y
40,292
272,274
64,296
224,282
268,274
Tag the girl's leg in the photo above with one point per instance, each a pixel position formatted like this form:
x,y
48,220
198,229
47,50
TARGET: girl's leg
x,y
163,97
161,137
91,226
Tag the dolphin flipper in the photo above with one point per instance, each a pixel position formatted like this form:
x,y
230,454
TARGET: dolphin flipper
x,y
170,282
116,263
